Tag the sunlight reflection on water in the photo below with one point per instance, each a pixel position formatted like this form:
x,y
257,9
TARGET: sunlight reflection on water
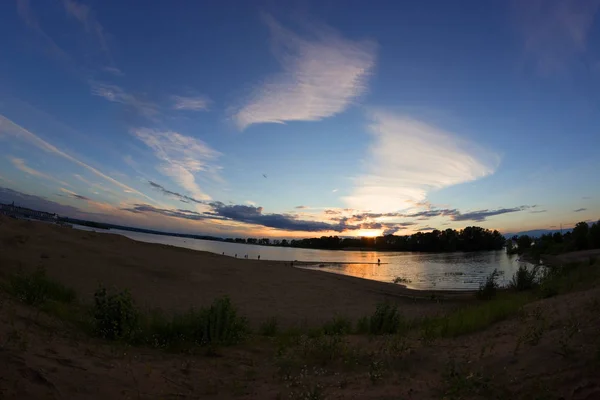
x,y
425,271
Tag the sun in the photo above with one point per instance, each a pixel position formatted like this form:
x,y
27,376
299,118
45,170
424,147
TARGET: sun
x,y
368,233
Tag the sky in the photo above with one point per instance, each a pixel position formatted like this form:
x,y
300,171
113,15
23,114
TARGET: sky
x,y
303,118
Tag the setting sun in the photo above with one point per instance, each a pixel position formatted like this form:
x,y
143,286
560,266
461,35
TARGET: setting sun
x,y
368,233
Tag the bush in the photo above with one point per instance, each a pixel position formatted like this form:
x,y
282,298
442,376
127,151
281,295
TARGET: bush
x,y
115,315
525,279
487,290
218,324
36,288
338,326
270,327
385,320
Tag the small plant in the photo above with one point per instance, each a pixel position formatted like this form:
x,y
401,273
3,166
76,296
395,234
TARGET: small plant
x,y
269,327
400,279
115,315
338,326
569,330
36,288
487,290
385,320
376,371
524,278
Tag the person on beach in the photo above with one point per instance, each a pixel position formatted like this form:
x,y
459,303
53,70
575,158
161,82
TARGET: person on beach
x,y
236,255
378,261
259,256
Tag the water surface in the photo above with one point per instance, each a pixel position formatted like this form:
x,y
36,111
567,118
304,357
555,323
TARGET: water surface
x,y
444,271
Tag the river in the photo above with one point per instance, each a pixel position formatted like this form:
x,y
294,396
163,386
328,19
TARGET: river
x,y
425,271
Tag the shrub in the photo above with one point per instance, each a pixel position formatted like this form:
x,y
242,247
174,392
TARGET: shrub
x,y
385,320
487,290
36,288
218,324
269,327
115,315
338,326
524,278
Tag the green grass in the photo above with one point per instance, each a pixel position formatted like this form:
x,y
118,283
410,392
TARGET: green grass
x,y
37,288
338,326
386,320
476,317
218,324
269,327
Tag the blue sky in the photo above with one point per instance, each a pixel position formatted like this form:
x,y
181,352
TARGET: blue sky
x,y
304,118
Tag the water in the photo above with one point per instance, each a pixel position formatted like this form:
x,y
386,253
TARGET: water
x,y
425,271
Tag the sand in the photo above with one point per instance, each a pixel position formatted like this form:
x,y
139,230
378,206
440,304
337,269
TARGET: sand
x,y
550,350
175,279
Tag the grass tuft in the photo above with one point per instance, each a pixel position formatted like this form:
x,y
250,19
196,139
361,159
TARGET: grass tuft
x,y
37,288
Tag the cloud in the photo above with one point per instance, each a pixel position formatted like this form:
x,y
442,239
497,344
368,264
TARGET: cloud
x,y
19,163
28,16
182,197
182,157
84,14
481,215
199,103
7,127
538,211
117,95
580,210
114,70
301,207
75,195
334,190
555,32
408,159
322,75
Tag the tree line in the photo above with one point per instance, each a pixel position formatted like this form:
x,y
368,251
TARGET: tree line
x,y
472,238
583,237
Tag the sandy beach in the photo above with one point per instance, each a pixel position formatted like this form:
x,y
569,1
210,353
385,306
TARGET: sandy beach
x,y
175,279
547,349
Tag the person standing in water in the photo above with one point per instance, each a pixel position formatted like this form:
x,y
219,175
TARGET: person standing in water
x,y
378,261
259,256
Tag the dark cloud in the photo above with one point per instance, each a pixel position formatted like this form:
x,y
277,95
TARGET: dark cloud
x,y
538,211
254,215
185,214
426,229
79,197
182,197
332,212
580,210
481,215
301,207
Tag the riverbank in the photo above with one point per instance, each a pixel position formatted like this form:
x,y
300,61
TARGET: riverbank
x,y
344,344
175,279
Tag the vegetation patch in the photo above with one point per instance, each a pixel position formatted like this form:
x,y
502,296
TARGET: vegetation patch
x,y
37,288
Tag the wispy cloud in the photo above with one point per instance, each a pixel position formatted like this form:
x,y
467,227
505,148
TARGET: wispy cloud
x,y
555,32
84,14
28,16
114,70
117,95
182,197
322,75
334,191
20,164
198,103
538,211
580,210
408,159
182,157
7,127
75,195
301,207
